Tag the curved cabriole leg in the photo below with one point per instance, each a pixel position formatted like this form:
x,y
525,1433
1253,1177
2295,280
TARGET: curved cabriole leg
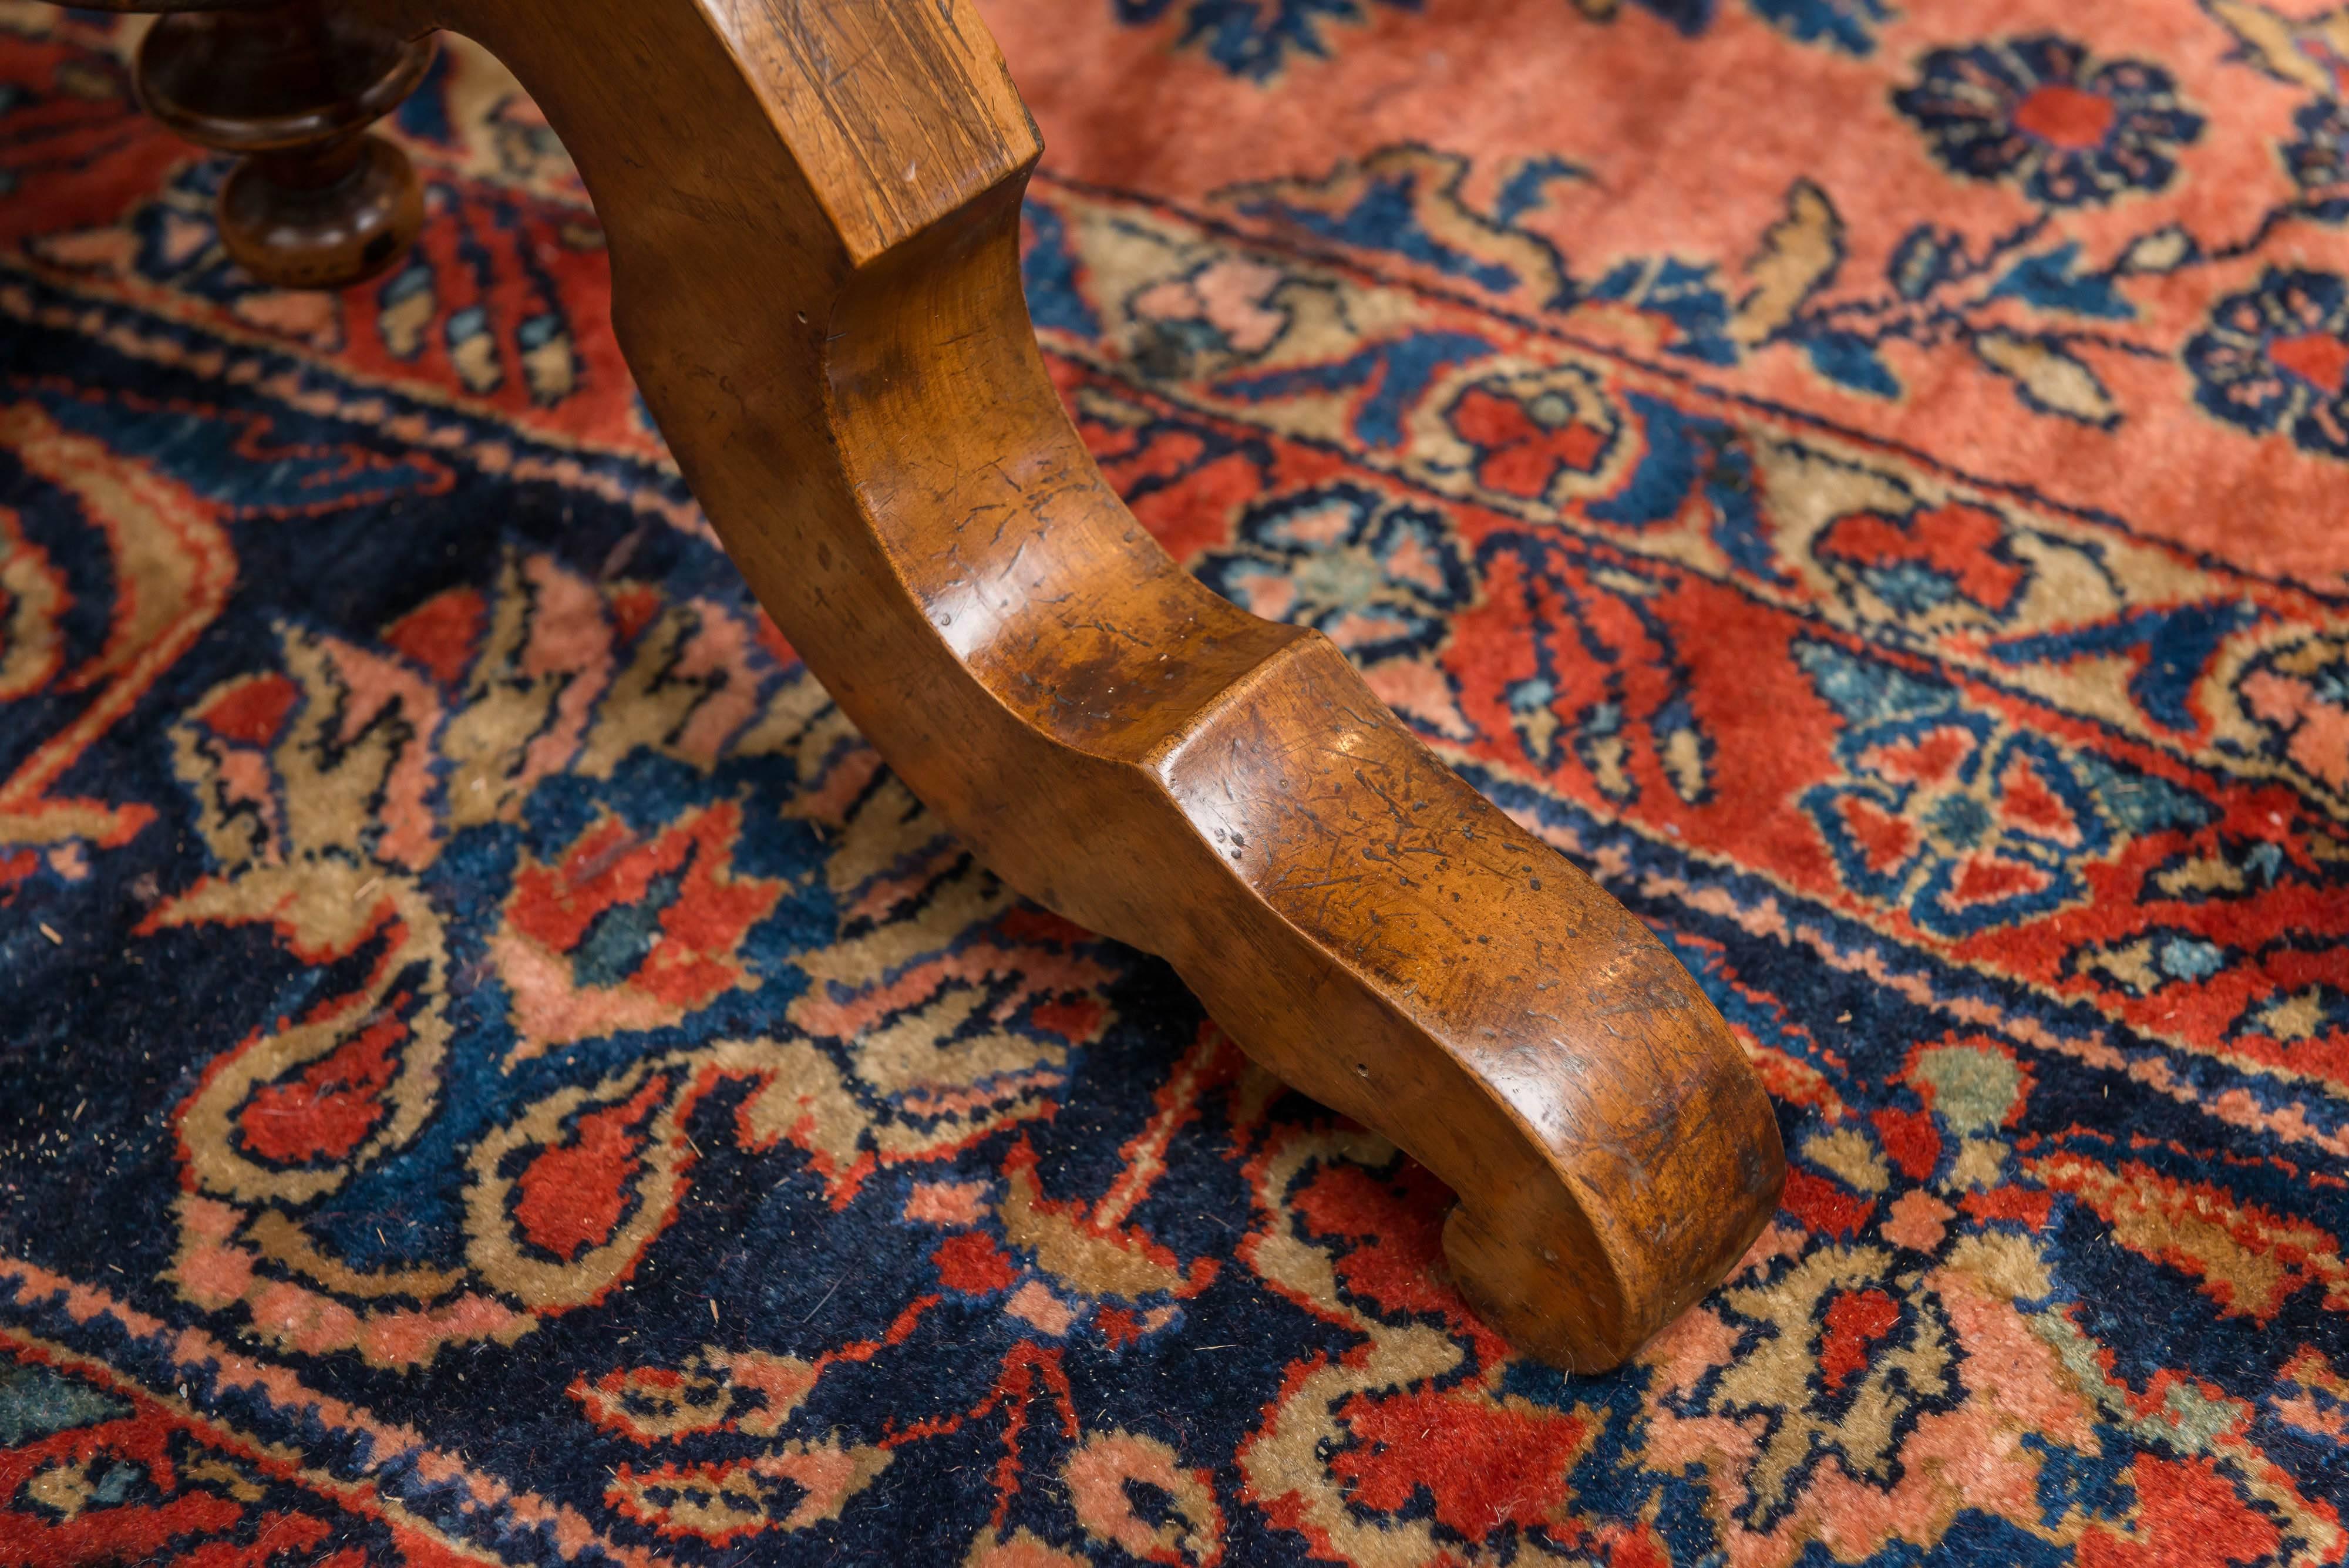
x,y
315,201
813,217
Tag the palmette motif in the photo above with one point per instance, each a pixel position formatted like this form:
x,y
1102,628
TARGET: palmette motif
x,y
496,1067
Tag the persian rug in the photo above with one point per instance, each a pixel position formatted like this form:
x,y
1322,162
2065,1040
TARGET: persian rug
x,y
494,1071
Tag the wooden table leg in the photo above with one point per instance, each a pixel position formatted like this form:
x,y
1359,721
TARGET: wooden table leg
x,y
813,211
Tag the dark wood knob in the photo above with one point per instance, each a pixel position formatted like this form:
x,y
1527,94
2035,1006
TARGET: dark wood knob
x,y
316,202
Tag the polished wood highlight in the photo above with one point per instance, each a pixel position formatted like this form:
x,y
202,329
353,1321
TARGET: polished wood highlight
x,y
813,211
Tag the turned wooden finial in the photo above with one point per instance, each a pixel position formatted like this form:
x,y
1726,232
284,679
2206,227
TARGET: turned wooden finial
x,y
315,201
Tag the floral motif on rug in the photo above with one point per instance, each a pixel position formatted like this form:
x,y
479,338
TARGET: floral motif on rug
x,y
495,1070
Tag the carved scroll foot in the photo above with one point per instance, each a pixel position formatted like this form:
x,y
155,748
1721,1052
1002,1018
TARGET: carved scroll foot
x,y
813,213
814,210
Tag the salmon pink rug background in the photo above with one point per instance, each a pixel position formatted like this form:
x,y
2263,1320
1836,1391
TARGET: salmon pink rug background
x,y
492,1069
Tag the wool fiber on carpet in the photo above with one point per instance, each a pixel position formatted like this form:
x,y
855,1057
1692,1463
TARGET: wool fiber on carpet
x,y
494,1071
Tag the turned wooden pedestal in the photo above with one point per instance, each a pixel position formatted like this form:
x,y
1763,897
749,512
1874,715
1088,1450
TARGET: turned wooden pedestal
x,y
290,88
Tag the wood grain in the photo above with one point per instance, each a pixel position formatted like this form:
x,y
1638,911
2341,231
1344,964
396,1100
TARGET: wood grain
x,y
813,215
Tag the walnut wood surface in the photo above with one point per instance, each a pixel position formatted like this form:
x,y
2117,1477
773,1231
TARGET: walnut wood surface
x,y
813,210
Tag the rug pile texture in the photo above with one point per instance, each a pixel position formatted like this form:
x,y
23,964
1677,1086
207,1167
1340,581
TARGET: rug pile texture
x,y
494,1071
